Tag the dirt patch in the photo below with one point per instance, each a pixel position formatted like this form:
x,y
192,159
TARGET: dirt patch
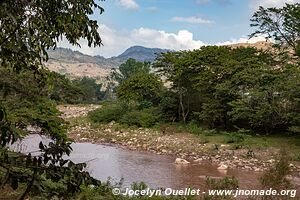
x,y
73,111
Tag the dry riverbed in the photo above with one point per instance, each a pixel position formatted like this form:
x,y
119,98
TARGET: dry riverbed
x,y
192,148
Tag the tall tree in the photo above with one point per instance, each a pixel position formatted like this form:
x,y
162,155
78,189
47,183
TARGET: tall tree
x,y
28,29
130,67
280,24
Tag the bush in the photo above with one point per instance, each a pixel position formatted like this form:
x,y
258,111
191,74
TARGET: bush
x,y
141,118
227,183
126,113
275,177
235,138
108,113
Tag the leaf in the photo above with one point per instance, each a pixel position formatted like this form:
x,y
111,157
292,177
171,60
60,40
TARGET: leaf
x,y
41,146
14,183
2,114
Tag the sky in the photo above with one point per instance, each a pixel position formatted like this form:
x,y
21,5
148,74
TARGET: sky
x,y
173,24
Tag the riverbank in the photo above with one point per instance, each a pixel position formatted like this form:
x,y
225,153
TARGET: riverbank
x,y
255,153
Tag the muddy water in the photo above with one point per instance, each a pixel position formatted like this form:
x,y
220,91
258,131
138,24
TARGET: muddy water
x,y
155,170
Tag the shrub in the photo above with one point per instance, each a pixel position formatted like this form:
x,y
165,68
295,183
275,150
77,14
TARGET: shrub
x,y
275,177
235,138
108,113
141,118
227,183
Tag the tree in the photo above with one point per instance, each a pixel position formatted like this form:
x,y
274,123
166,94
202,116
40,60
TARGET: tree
x,y
91,90
141,87
281,24
28,29
176,68
130,67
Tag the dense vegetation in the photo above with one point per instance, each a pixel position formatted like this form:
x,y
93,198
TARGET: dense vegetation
x,y
218,87
79,90
28,29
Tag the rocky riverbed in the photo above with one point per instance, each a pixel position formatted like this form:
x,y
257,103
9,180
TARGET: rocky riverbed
x,y
189,147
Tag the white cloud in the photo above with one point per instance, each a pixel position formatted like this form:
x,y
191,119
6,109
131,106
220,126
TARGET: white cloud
x,y
116,42
254,4
183,40
191,20
242,40
128,4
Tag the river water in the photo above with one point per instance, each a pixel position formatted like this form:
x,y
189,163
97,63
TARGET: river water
x,y
157,171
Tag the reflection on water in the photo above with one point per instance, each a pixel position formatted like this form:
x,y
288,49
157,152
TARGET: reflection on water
x,y
155,170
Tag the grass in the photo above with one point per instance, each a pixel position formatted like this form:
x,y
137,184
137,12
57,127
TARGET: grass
x,y
289,142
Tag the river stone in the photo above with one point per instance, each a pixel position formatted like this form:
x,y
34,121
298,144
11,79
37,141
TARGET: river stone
x,y
181,161
198,160
223,167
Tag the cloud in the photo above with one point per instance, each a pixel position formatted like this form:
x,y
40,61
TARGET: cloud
x,y
116,42
128,4
242,40
254,4
191,20
182,40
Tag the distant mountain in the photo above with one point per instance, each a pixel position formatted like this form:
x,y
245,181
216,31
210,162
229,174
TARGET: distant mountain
x,y
140,53
76,64
69,56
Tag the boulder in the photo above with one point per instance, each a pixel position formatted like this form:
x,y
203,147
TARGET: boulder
x,y
223,167
181,161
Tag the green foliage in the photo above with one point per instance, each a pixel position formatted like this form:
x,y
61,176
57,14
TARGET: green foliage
x,y
276,176
281,24
225,88
141,118
140,87
91,90
227,183
272,104
127,113
130,67
28,29
109,112
62,90
39,25
235,138
79,90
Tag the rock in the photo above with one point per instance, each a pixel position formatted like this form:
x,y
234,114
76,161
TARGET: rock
x,y
164,151
198,160
256,169
223,167
181,161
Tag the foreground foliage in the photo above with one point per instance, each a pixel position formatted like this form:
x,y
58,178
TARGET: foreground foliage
x,y
28,29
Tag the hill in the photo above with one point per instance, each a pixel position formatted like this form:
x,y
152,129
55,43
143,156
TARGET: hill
x,y
140,53
76,64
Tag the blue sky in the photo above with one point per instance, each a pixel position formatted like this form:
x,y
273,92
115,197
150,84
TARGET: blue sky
x,y
173,24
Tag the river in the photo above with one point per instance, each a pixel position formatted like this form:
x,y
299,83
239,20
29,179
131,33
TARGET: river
x,y
157,171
